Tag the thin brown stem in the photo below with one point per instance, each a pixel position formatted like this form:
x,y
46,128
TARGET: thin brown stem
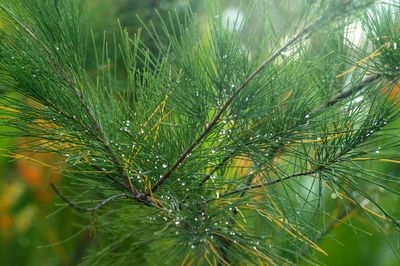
x,y
98,206
215,169
276,181
229,101
349,91
148,202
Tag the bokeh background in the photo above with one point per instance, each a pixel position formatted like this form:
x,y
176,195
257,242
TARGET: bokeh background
x,y
35,228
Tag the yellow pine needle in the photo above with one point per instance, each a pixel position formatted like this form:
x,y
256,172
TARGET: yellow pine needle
x,y
257,254
216,253
215,261
163,103
163,230
220,202
208,260
240,212
362,61
241,226
159,121
192,260
150,117
261,263
151,194
273,111
273,203
148,134
329,138
376,159
291,226
335,136
305,240
155,136
23,157
354,202
9,109
89,172
9,118
186,258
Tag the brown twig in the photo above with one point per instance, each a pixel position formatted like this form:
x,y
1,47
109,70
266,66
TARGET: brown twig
x,y
149,202
349,91
98,206
276,181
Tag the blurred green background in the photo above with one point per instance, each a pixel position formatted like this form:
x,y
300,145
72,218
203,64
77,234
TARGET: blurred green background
x,y
34,230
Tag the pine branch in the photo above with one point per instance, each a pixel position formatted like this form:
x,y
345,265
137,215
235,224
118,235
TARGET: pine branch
x,y
98,206
281,119
335,99
273,182
229,101
101,138
348,92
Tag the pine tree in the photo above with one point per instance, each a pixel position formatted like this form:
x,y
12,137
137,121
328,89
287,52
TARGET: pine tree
x,y
220,147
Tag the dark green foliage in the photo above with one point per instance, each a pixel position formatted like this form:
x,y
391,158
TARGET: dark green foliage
x,y
222,144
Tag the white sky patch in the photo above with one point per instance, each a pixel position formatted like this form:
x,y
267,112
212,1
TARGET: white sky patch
x,y
232,14
355,34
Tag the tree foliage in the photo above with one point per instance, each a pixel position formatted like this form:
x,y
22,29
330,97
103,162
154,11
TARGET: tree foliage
x,y
221,146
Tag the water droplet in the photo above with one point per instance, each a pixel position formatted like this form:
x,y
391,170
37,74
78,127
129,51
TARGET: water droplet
x,y
212,151
247,98
233,86
307,116
57,48
164,165
225,56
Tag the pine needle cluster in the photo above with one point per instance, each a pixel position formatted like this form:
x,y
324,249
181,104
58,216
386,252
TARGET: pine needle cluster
x,y
220,147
